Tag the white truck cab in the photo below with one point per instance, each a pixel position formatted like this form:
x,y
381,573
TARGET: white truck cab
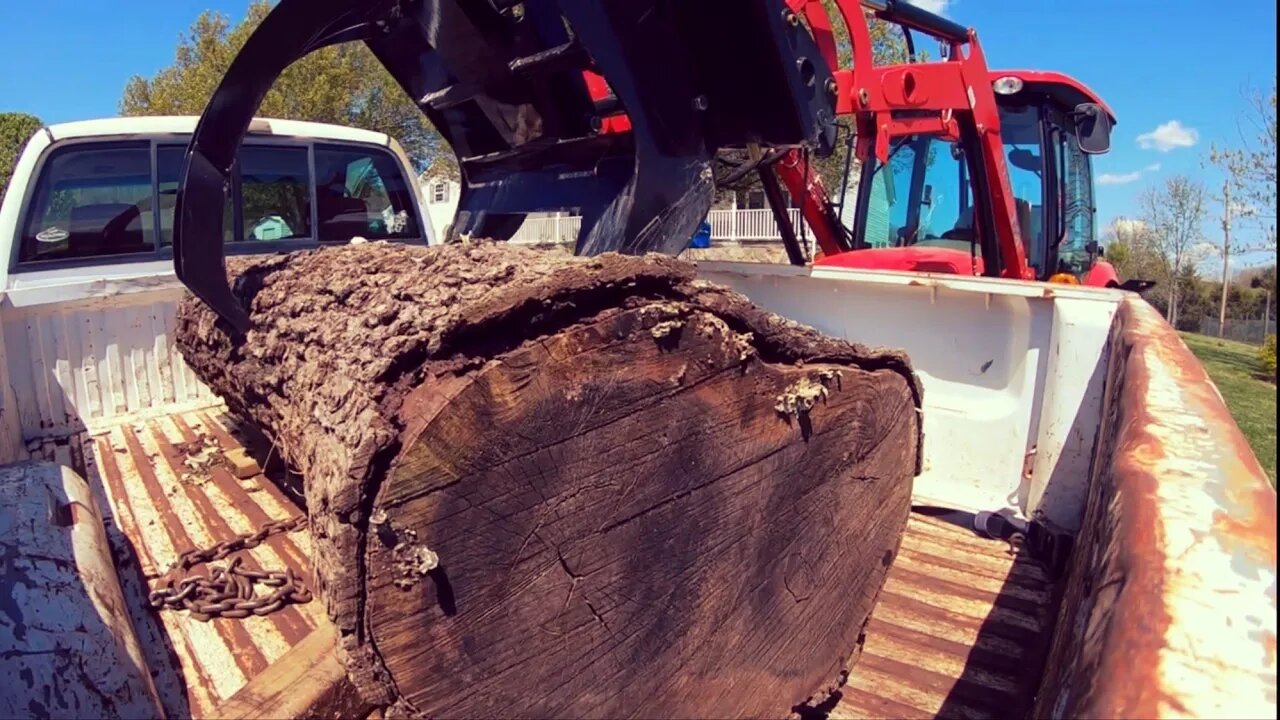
x,y
87,285
95,199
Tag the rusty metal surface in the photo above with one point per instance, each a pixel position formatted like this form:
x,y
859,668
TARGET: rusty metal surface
x,y
1170,609
960,630
168,491
69,649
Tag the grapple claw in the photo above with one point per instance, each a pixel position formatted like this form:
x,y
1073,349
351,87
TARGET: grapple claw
x,y
508,86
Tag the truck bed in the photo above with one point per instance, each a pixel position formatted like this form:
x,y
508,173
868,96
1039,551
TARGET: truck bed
x,y
168,492
960,629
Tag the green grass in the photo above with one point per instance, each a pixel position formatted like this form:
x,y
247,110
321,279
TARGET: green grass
x,y
1236,371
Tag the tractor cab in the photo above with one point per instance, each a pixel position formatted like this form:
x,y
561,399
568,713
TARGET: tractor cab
x,y
917,211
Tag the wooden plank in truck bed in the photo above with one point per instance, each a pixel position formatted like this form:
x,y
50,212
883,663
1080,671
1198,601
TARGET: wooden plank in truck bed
x,y
309,681
961,630
163,497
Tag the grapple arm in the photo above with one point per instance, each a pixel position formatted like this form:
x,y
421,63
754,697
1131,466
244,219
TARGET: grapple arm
x,y
505,83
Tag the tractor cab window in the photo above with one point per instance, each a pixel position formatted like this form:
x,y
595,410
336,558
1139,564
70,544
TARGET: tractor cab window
x,y
920,197
1020,130
1075,174
923,195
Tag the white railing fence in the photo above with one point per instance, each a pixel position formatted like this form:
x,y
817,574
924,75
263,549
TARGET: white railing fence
x,y
726,226
556,229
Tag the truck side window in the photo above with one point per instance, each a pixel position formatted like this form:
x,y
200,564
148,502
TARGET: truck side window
x,y
361,193
91,200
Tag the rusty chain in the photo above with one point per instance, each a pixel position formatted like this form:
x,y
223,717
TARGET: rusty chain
x,y
229,591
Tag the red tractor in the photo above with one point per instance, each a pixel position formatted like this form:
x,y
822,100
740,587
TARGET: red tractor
x,y
955,172
964,170
617,109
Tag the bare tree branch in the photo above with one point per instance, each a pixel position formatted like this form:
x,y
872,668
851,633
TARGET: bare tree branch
x,y
1175,213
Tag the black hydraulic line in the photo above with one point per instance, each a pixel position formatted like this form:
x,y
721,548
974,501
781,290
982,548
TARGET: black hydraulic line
x,y
904,13
804,226
911,43
773,193
848,166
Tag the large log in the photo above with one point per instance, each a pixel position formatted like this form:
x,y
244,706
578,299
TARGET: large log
x,y
547,486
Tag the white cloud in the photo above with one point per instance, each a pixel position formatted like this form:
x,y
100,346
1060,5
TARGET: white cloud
x,y
938,7
1169,136
1202,251
1119,178
1128,225
1126,178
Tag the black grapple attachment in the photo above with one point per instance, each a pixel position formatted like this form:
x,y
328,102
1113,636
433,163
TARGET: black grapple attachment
x,y
509,86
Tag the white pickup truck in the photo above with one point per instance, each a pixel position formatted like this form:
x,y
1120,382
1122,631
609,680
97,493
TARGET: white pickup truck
x,y
1077,413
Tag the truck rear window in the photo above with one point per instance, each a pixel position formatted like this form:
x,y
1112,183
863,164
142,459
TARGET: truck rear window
x,y
275,195
103,200
92,200
358,193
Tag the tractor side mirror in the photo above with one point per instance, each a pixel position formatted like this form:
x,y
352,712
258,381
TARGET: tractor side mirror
x,y
1093,128
1094,249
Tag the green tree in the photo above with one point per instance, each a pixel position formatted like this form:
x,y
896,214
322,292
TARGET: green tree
x,y
343,84
1131,249
1267,355
1175,214
1261,276
15,130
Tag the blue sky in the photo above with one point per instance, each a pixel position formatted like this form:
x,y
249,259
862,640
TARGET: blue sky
x,y
1174,71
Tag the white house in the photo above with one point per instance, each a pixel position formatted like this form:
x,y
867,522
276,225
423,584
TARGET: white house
x,y
441,194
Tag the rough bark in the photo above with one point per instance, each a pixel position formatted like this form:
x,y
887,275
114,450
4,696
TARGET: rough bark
x,y
551,486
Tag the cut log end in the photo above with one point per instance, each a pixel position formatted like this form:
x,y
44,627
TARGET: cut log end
x,y
657,501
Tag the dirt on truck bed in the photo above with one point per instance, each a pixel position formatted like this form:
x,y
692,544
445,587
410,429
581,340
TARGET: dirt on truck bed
x,y
529,474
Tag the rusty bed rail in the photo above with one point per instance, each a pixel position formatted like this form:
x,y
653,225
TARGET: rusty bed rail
x,y
1170,606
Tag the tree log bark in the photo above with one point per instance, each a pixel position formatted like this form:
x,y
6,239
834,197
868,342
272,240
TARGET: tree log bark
x,y
544,486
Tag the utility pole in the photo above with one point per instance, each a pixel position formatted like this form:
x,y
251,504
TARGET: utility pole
x,y
1226,255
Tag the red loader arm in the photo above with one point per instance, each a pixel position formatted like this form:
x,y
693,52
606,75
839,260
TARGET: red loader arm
x,y
942,96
